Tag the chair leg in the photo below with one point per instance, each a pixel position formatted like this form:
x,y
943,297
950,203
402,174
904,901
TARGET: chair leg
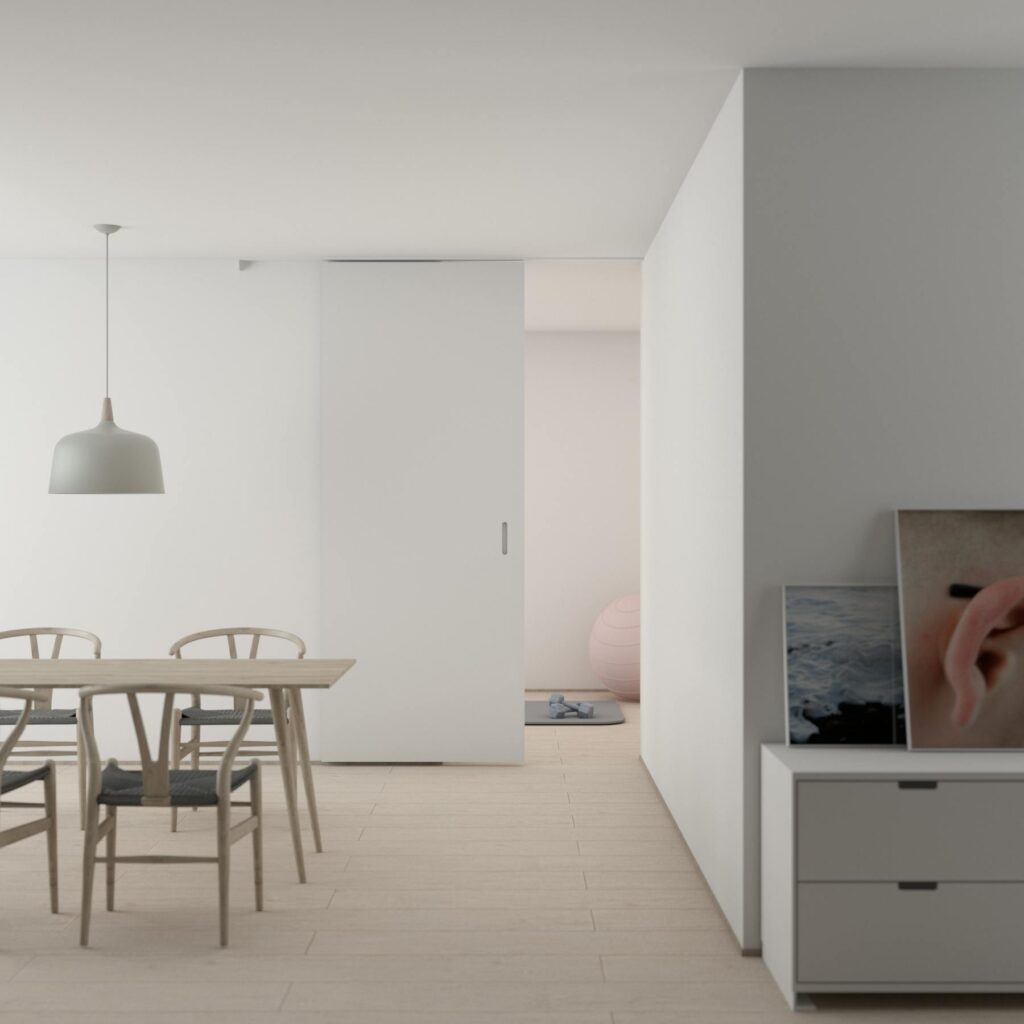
x,y
50,799
224,865
195,752
176,760
81,776
92,822
302,744
256,799
111,853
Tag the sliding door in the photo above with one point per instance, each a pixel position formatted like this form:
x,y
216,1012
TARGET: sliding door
x,y
422,510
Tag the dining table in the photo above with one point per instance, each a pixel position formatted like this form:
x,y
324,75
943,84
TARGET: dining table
x,y
283,679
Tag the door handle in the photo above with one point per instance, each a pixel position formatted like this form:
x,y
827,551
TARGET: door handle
x,y
504,538
917,784
918,886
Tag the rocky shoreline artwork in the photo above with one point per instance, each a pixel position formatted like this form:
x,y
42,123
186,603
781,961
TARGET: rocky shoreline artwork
x,y
844,681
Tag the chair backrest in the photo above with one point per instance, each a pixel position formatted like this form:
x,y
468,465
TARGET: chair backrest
x,y
44,697
28,699
156,766
236,631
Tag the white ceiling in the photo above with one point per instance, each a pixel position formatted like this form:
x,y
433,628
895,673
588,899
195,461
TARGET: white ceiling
x,y
403,128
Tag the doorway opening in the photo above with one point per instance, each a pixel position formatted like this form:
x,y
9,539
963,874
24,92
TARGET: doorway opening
x,y
582,506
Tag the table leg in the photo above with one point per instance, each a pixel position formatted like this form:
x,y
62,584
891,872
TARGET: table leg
x,y
302,748
282,731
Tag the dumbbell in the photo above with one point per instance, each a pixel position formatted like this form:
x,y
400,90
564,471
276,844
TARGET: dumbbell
x,y
557,701
584,708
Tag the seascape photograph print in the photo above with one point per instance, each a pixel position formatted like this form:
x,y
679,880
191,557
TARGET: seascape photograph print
x,y
844,680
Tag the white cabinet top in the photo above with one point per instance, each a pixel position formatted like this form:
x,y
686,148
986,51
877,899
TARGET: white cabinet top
x,y
819,762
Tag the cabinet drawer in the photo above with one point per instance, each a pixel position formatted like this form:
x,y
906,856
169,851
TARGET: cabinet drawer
x,y
892,831
866,932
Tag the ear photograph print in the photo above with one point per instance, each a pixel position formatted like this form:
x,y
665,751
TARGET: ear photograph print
x,y
962,604
844,682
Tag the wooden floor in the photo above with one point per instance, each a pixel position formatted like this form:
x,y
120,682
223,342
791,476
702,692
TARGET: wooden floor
x,y
555,892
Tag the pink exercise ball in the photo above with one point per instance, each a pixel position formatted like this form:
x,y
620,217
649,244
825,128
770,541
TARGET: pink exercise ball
x,y
615,647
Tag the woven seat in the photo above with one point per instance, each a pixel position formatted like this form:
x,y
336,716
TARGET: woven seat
x,y
15,780
43,716
223,716
122,788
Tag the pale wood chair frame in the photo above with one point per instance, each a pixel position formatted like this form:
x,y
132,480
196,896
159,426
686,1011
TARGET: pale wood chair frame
x,y
56,748
47,823
292,711
155,776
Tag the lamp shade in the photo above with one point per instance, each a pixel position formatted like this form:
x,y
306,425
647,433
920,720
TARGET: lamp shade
x,y
106,460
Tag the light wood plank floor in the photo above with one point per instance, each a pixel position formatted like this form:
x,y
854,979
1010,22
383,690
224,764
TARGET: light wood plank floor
x,y
555,892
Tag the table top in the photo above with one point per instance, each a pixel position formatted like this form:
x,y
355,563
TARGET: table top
x,y
72,673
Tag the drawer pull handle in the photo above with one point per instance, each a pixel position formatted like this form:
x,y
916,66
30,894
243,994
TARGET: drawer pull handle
x,y
918,886
917,784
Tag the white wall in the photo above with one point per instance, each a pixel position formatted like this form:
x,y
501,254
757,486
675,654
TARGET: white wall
x,y
885,314
583,295
582,395
220,368
692,641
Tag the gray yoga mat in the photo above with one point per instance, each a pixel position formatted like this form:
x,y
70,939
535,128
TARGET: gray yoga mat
x,y
606,712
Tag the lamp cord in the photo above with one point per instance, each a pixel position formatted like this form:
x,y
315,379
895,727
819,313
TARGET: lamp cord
x,y
106,338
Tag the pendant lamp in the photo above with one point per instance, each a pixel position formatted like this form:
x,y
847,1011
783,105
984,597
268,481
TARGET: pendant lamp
x,y
106,459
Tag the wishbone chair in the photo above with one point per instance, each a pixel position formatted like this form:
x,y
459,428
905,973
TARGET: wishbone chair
x,y
14,780
157,784
198,717
44,713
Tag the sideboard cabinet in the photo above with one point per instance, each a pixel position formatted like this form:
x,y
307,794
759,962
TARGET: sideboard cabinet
x,y
887,870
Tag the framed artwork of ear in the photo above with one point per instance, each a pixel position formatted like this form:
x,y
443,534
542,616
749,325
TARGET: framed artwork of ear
x,y
844,683
962,609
